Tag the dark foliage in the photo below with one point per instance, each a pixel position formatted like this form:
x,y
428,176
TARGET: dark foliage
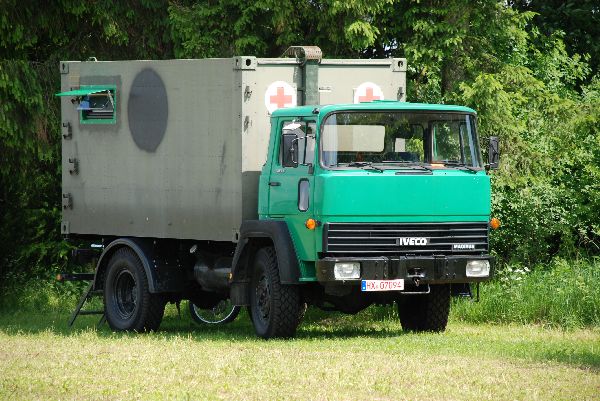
x,y
530,69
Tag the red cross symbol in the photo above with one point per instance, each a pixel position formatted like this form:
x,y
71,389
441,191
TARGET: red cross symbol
x,y
369,96
281,99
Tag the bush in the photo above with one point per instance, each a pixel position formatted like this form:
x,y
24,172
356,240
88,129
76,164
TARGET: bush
x,y
561,293
42,294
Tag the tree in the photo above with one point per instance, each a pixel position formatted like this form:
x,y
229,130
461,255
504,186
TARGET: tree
x,y
529,67
577,22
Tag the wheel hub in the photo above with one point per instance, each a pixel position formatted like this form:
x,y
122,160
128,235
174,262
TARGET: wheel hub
x,y
263,296
125,294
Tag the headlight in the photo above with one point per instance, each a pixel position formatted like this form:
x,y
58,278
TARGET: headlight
x,y
478,268
346,270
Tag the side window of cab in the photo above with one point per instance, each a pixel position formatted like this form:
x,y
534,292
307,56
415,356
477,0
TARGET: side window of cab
x,y
297,143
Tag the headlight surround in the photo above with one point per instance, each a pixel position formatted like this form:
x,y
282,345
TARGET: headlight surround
x,y
346,270
478,268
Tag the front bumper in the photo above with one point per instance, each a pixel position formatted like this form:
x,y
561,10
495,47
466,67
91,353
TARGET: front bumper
x,y
424,269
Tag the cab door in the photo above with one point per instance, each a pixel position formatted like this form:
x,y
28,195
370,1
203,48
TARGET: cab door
x,y
290,183
291,180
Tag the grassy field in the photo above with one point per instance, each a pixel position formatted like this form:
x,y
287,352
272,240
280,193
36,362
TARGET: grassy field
x,y
366,356
564,293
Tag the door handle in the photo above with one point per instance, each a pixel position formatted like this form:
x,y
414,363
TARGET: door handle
x,y
274,184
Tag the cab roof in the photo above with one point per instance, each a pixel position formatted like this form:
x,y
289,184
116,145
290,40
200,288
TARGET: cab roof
x,y
374,105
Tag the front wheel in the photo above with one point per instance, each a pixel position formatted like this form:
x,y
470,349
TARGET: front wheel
x,y
275,309
426,312
223,312
128,303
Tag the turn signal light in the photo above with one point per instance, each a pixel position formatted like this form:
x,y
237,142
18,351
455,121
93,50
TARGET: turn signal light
x,y
494,223
311,224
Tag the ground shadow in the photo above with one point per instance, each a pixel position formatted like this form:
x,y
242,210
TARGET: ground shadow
x,y
316,326
580,358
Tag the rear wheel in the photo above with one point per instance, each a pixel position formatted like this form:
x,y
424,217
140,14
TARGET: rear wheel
x,y
275,309
425,312
128,304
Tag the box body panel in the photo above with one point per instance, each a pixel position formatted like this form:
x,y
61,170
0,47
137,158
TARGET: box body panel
x,y
189,138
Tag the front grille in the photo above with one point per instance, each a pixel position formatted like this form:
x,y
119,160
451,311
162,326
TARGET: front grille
x,y
394,238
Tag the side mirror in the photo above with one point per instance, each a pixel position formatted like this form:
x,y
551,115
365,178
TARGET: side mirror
x,y
290,150
493,153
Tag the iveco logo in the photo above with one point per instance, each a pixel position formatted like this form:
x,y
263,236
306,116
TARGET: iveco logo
x,y
408,241
463,246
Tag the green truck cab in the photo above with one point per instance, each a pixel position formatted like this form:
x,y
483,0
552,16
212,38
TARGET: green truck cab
x,y
384,202
253,182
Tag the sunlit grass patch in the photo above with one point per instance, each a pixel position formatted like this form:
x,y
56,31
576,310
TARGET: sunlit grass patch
x,y
366,356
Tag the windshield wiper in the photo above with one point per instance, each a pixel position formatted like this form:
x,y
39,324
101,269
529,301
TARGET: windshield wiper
x,y
365,164
455,163
408,164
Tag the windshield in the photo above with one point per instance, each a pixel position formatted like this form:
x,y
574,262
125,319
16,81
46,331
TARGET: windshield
x,y
391,138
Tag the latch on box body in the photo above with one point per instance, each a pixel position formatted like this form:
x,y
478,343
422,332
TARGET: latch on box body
x,y
67,130
67,201
74,168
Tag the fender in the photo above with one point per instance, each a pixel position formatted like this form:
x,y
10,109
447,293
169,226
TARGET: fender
x,y
278,233
143,251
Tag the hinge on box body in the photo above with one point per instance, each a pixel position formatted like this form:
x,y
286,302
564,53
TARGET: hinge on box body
x,y
400,94
75,169
67,130
67,201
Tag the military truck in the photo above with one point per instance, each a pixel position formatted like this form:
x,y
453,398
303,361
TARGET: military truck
x,y
271,183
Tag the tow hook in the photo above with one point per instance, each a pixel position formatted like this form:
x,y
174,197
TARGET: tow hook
x,y
417,275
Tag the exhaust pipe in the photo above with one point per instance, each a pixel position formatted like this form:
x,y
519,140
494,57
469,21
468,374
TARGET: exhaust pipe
x,y
213,278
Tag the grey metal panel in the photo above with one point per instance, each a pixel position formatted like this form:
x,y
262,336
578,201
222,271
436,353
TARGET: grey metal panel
x,y
338,79
189,186
255,136
272,61
196,175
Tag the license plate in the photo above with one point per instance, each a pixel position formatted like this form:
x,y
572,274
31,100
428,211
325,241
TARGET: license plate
x,y
382,285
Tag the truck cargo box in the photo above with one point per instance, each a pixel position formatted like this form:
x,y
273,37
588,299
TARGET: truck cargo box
x,y
174,149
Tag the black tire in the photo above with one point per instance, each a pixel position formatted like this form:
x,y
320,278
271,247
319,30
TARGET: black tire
x,y
425,312
275,309
223,312
128,304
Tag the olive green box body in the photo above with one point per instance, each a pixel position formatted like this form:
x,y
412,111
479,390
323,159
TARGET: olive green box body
x,y
183,154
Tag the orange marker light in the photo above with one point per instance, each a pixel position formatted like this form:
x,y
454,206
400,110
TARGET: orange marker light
x,y
311,224
494,223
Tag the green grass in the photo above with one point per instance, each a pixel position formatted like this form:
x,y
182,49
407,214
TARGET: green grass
x,y
534,335
366,356
561,294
